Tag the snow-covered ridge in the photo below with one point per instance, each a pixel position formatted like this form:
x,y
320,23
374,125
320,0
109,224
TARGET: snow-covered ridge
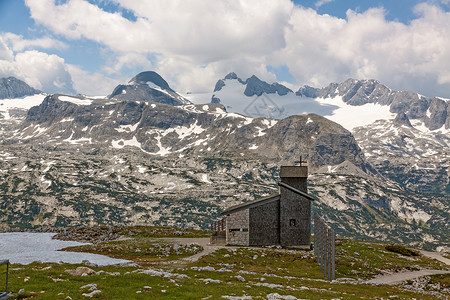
x,y
20,103
350,116
75,100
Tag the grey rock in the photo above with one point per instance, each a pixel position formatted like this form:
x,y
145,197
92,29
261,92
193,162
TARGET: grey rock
x,y
150,76
142,87
402,120
255,86
360,92
307,91
437,114
231,75
219,85
322,141
215,100
12,87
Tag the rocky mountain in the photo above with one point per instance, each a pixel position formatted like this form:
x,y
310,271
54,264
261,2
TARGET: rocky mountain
x,y
256,98
149,86
162,129
80,161
373,113
433,112
254,86
12,87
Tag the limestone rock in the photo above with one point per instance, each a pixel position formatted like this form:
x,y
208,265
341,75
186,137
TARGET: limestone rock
x,y
12,87
81,271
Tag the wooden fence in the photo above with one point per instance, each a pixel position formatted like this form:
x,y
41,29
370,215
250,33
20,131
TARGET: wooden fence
x,y
324,246
218,225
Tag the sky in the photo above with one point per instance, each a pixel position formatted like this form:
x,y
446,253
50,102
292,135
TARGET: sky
x,y
90,46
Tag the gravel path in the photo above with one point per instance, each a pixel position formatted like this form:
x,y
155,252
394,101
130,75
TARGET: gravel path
x,y
402,276
204,242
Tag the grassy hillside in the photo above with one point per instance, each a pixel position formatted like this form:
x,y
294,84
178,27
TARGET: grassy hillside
x,y
248,273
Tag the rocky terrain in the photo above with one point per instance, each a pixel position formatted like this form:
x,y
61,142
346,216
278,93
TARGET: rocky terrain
x,y
433,112
12,87
149,86
149,156
169,268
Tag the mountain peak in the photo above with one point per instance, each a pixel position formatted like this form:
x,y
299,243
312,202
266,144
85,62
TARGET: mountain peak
x,y
231,75
12,87
256,86
150,76
148,86
402,120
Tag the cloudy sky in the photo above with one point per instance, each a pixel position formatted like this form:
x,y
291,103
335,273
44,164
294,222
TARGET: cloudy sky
x,y
90,46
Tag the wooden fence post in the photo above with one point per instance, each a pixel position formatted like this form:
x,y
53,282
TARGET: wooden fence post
x,y
324,247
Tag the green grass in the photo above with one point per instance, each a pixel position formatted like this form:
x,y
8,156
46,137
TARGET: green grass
x,y
140,250
402,250
51,281
367,259
264,270
160,231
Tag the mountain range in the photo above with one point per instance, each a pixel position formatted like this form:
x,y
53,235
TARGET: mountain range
x,y
147,154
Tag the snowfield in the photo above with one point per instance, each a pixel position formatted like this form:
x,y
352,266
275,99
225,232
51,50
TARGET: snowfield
x,y
19,103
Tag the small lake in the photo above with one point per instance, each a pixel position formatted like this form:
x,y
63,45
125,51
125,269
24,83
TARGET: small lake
x,y
25,248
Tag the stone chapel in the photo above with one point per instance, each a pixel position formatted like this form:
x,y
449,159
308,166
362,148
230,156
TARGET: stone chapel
x,y
281,219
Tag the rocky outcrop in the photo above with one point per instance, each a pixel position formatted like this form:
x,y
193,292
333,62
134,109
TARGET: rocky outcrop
x,y
12,87
253,86
158,127
307,91
148,86
437,114
433,112
257,87
402,120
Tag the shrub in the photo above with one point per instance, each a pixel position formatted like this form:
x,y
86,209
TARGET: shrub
x,y
402,250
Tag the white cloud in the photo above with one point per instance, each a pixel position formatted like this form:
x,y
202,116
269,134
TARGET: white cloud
x,y
196,42
18,43
322,2
129,60
40,70
207,30
83,82
5,52
323,49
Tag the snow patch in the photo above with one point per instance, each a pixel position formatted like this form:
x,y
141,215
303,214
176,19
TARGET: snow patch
x,y
19,103
75,100
205,178
350,116
127,128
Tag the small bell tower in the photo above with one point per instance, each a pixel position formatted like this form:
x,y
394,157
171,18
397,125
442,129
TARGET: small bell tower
x,y
295,208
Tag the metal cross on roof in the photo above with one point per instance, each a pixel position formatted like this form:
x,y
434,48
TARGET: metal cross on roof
x,y
301,161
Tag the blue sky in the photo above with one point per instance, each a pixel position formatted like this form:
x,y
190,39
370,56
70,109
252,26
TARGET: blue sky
x,y
396,10
81,46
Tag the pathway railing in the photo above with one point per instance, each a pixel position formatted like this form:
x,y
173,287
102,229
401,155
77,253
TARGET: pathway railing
x,y
218,225
324,246
219,235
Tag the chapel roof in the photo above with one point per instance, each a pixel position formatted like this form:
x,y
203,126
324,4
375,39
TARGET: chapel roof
x,y
253,203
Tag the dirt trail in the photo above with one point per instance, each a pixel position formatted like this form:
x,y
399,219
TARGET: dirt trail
x,y
402,276
204,242
384,279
